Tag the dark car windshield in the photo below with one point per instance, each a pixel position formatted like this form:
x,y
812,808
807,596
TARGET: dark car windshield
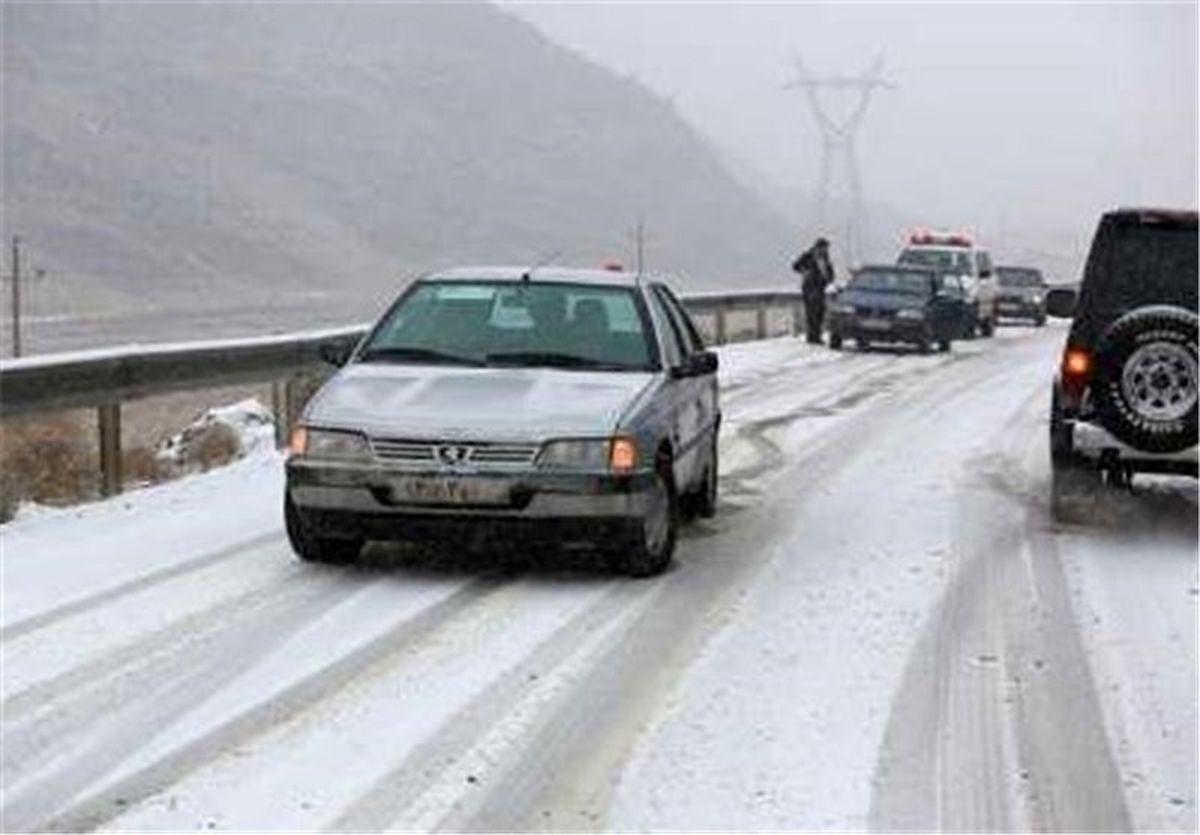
x,y
946,260
576,326
898,281
1019,277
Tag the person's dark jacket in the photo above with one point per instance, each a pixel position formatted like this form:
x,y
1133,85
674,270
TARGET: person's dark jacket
x,y
816,273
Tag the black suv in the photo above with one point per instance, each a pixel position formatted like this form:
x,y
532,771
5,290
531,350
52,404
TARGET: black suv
x,y
1124,399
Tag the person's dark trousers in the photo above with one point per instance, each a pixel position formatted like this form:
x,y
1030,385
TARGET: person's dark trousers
x,y
814,314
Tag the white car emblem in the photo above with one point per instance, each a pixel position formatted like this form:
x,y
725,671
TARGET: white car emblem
x,y
453,456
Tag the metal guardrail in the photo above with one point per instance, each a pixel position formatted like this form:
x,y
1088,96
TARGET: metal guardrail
x,y
104,379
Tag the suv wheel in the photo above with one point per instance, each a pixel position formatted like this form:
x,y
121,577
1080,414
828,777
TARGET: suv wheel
x,y
652,543
987,327
312,548
1146,380
835,341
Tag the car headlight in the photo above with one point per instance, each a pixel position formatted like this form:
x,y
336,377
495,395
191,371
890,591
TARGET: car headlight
x,y
329,443
911,313
1037,298
616,454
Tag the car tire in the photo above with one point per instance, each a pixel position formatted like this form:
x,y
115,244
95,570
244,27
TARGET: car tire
x,y
835,341
864,344
1039,322
706,498
987,327
943,345
924,343
1146,381
310,547
651,544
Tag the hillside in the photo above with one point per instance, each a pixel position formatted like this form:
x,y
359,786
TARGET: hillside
x,y
159,154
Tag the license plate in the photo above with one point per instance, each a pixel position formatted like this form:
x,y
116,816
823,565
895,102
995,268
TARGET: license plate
x,y
876,324
452,490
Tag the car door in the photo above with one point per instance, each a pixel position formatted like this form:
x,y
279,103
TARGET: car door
x,y
952,304
697,394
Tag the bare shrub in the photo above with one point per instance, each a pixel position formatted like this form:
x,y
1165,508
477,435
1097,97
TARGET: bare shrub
x,y
49,459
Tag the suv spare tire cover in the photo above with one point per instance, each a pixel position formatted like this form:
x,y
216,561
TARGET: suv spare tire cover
x,y
1145,387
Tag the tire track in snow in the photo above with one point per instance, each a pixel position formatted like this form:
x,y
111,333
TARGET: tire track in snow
x,y
105,596
96,808
997,724
72,741
384,803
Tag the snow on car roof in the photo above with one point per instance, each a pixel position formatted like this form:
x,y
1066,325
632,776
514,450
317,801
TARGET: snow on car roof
x,y
571,275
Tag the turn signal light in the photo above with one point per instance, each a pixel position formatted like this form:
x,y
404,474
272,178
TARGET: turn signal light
x,y
299,441
1077,363
623,456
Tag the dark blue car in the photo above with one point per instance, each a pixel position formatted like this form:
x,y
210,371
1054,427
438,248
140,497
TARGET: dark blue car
x,y
894,303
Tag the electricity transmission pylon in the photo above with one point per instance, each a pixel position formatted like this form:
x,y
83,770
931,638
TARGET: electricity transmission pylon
x,y
838,154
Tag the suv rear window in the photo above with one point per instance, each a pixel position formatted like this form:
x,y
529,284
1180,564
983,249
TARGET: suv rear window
x,y
1134,263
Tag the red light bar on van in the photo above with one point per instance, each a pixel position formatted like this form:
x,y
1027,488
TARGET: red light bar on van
x,y
922,236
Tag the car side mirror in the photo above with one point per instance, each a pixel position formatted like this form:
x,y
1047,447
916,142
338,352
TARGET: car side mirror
x,y
335,353
1060,302
696,365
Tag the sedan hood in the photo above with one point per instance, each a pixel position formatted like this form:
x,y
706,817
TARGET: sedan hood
x,y
417,401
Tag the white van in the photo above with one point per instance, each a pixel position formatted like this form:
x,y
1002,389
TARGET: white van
x,y
957,254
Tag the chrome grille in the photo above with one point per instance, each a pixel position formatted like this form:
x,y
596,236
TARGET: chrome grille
x,y
453,453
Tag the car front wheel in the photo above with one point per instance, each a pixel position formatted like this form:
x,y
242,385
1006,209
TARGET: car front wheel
x,y
652,541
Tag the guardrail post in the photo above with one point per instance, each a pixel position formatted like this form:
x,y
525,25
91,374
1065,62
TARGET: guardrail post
x,y
797,318
291,408
721,326
760,322
279,410
110,448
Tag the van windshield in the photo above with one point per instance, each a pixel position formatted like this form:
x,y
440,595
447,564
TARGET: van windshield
x,y
946,260
487,323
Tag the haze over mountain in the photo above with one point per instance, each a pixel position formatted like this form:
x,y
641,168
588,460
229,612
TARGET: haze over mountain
x,y
166,154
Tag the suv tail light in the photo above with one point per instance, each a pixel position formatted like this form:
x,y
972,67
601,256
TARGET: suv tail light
x,y
1077,367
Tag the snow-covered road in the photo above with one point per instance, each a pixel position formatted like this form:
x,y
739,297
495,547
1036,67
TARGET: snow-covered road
x,y
880,629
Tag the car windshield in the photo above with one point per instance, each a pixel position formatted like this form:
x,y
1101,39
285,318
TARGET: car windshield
x,y
947,260
576,326
898,281
1016,277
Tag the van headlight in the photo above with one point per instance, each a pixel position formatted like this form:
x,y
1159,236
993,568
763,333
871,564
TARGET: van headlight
x,y
911,313
329,443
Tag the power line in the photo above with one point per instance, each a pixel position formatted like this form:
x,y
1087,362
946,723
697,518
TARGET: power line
x,y
837,150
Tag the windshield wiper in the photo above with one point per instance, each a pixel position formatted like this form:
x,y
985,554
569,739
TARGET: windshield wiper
x,y
399,354
554,360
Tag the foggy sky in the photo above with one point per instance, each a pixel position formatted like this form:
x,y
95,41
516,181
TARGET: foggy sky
x,y
1023,122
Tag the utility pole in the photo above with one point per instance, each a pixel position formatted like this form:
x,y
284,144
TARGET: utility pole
x,y
838,149
641,245
16,296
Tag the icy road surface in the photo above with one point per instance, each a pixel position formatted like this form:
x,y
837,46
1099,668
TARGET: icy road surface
x,y
881,629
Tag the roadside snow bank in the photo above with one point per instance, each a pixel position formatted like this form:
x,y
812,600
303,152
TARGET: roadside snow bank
x,y
219,434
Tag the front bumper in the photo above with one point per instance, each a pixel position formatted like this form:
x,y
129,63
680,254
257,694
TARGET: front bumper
x,y
362,500
1020,309
888,330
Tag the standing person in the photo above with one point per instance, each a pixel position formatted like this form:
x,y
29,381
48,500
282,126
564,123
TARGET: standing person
x,y
816,273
